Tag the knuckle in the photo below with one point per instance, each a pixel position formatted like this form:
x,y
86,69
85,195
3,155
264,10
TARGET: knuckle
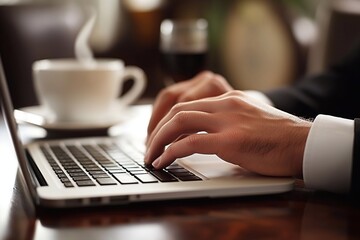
x,y
214,83
219,83
187,98
234,98
205,74
192,140
237,93
218,79
166,94
202,76
178,107
233,102
180,118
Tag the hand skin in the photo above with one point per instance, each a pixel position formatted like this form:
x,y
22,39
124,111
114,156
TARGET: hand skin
x,y
239,130
205,84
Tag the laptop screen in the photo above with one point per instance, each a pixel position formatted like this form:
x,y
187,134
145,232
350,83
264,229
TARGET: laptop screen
x,y
8,120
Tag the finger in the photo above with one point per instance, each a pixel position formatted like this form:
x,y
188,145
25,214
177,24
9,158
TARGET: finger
x,y
229,101
182,123
203,105
164,102
210,85
195,143
172,95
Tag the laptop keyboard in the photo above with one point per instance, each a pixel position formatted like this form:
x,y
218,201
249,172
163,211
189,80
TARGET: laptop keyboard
x,y
107,164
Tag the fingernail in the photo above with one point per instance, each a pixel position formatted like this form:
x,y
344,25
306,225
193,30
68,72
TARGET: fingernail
x,y
157,162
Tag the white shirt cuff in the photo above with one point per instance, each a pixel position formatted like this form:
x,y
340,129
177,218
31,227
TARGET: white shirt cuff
x,y
328,153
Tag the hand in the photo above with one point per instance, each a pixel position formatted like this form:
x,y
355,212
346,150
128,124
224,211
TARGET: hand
x,y
238,129
205,84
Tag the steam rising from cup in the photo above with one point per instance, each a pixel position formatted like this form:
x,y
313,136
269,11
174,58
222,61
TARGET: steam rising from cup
x,y
83,52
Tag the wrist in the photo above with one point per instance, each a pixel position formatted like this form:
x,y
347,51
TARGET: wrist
x,y
301,135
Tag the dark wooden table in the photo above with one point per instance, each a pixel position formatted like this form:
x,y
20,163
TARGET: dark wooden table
x,y
299,214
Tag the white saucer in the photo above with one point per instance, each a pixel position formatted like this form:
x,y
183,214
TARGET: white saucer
x,y
38,116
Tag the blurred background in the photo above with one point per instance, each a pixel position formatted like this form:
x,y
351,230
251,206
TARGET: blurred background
x,y
255,44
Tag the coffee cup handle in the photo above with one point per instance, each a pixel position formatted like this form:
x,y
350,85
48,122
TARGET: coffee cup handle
x,y
139,78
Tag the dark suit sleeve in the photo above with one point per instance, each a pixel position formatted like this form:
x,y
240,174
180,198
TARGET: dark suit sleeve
x,y
335,92
355,176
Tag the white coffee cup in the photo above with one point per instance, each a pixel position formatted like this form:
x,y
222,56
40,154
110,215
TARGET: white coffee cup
x,y
76,91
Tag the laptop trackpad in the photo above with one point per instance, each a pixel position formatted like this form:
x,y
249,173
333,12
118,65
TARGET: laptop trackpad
x,y
212,166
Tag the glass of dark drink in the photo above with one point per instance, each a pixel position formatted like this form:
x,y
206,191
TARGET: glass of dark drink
x,y
183,46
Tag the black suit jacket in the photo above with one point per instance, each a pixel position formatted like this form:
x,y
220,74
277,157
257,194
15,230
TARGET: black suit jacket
x,y
335,92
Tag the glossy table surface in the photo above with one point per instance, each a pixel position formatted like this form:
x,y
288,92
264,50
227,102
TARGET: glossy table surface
x,y
299,214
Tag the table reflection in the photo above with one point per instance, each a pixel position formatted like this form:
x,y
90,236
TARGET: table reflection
x,y
132,231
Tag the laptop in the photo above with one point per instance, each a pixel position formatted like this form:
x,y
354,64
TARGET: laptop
x,y
94,171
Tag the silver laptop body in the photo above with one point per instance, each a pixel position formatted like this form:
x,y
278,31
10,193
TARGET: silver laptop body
x,y
109,170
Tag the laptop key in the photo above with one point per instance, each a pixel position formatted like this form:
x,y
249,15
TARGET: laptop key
x,y
137,172
81,178
184,175
189,178
147,178
174,166
75,170
100,176
56,167
117,171
163,176
68,184
72,167
129,166
59,171
96,172
178,170
106,165
125,178
113,168
79,174
106,181
65,179
92,168
132,170
85,183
